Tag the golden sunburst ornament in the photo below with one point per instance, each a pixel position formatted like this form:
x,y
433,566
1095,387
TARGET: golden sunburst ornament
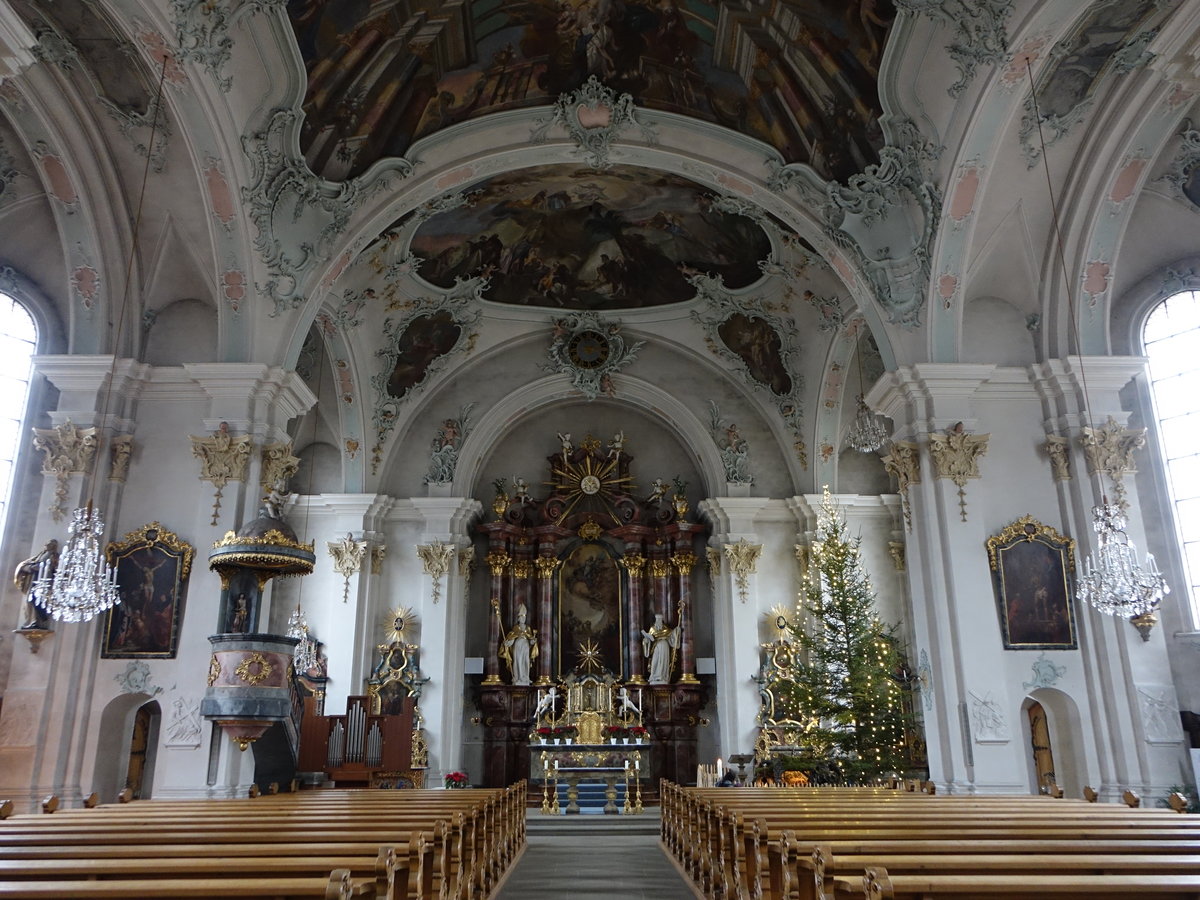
x,y
590,477
589,656
397,622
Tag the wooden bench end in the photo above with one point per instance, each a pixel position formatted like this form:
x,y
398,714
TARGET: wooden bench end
x,y
1089,794
6,809
125,796
1132,799
91,801
877,884
1177,802
254,791
50,803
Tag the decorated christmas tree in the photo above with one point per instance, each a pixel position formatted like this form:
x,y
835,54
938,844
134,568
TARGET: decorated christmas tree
x,y
849,668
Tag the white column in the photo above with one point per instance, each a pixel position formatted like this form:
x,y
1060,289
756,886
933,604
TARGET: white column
x,y
443,631
737,622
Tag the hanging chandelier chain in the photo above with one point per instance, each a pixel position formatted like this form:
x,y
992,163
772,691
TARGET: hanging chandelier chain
x,y
1113,581
83,583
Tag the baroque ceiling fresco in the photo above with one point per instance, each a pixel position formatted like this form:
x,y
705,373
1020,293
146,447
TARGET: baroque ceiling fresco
x,y
798,76
574,238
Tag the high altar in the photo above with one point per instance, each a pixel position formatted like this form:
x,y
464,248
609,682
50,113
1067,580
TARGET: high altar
x,y
591,582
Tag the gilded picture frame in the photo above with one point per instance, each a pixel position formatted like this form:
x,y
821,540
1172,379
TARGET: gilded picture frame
x,y
153,565
1032,566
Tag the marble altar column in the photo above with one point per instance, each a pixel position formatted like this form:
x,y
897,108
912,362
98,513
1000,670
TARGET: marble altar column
x,y
634,564
660,585
683,563
522,569
545,569
498,562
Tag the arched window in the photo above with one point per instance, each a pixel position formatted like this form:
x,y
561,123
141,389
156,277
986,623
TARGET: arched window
x,y
18,343
1171,337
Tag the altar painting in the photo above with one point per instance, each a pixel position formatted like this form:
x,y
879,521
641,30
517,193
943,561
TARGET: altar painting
x,y
589,607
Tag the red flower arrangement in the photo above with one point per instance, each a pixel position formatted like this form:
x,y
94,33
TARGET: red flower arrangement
x,y
638,732
545,731
455,780
616,730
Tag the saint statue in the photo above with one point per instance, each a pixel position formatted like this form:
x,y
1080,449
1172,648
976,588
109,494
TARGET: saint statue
x,y
519,648
658,644
238,616
30,570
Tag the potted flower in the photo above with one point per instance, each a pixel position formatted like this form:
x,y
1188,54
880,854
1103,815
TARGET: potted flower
x,y
455,780
638,733
567,732
545,733
615,733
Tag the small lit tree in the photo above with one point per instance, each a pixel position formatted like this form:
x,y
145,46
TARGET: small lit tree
x,y
849,669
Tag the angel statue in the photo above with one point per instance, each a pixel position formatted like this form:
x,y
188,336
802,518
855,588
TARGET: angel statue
x,y
626,704
546,703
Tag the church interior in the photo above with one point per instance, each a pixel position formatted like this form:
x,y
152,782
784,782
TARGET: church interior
x,y
462,384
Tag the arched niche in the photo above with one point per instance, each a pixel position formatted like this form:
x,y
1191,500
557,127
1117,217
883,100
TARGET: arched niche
x,y
115,741
182,332
1066,739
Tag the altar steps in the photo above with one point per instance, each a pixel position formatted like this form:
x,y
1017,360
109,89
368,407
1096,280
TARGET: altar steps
x,y
646,826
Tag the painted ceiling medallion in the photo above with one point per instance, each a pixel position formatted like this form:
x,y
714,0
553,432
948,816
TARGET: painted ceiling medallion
x,y
590,351
571,237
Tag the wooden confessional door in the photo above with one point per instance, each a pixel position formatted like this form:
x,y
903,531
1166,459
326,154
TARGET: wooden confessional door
x,y
137,752
1043,753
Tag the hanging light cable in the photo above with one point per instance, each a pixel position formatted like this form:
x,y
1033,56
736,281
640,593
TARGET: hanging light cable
x,y
306,654
84,584
1113,581
868,433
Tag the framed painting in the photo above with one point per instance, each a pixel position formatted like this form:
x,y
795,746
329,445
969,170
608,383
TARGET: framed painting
x,y
1032,565
152,566
589,607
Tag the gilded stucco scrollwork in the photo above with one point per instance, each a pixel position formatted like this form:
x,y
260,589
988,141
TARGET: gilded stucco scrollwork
x,y
435,562
348,555
223,458
743,562
956,456
68,451
378,552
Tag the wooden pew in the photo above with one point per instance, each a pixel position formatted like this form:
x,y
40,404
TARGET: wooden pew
x,y
458,843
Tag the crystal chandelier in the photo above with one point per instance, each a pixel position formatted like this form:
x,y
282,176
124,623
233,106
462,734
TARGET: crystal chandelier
x,y
1113,581
304,657
84,584
868,433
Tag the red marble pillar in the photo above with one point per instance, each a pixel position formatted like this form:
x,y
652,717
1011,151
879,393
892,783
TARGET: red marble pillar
x,y
634,563
683,563
497,561
546,566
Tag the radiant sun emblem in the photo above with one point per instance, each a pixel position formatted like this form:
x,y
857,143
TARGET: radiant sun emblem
x,y
592,477
589,656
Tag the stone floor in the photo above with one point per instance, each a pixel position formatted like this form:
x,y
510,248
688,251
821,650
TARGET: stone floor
x,y
594,858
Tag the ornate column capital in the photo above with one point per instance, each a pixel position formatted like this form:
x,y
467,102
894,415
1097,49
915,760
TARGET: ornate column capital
x,y
634,563
497,561
659,568
1109,450
684,561
545,566
956,456
522,568
904,464
743,562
